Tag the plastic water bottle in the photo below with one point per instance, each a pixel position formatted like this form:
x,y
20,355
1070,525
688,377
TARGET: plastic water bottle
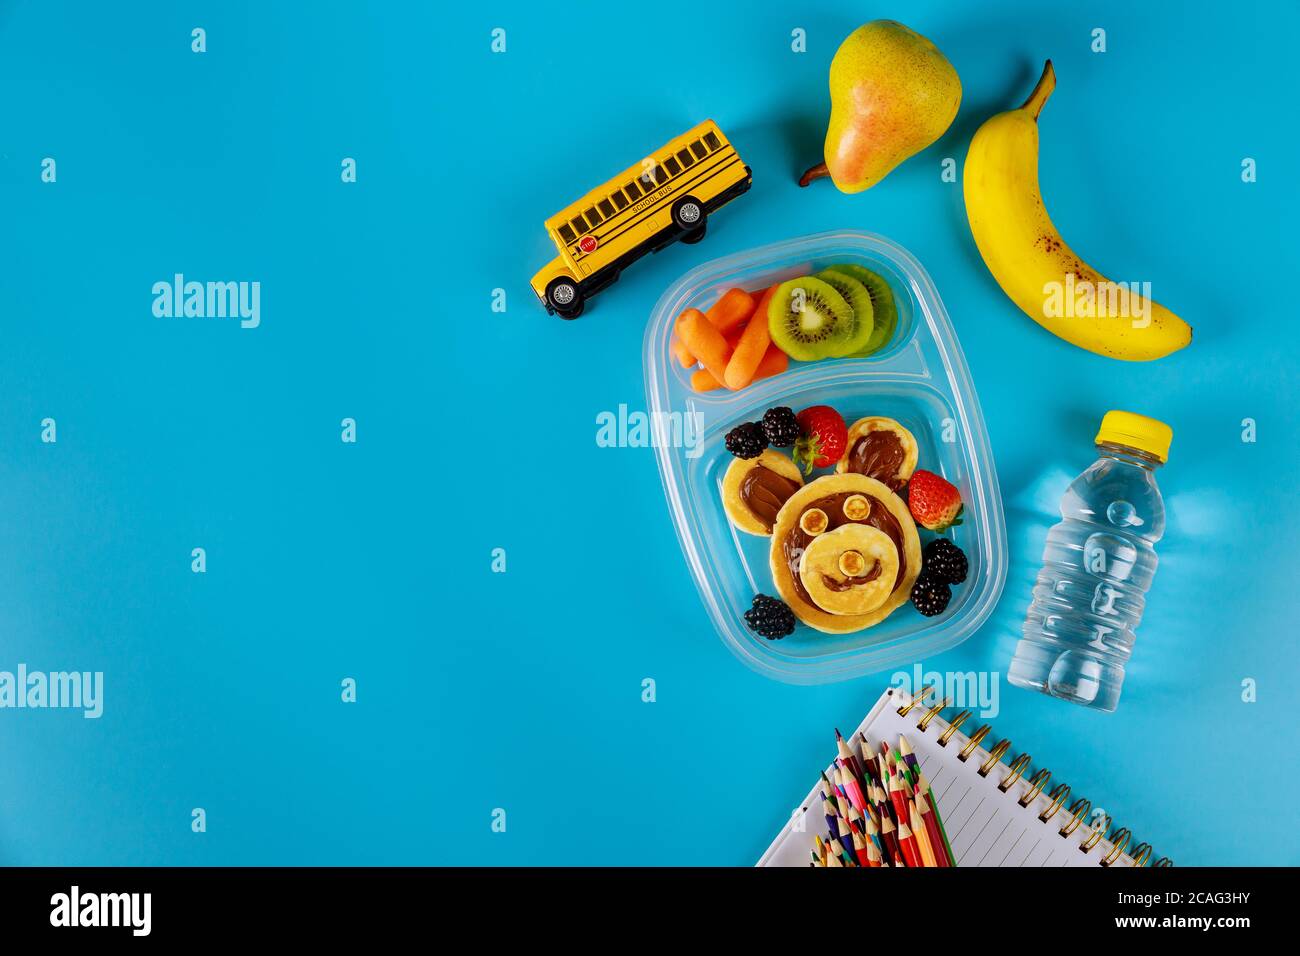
x,y
1097,567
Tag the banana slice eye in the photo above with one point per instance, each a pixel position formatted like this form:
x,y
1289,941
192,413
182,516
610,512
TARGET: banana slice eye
x,y
813,521
852,564
856,507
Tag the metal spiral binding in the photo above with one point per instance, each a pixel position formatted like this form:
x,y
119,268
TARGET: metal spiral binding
x,y
925,692
1036,784
1059,795
974,742
953,726
1015,770
932,713
1080,809
1119,839
1098,831
995,755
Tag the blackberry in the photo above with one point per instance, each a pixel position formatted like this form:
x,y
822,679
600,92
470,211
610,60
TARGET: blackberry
x,y
945,561
747,440
770,618
930,595
781,427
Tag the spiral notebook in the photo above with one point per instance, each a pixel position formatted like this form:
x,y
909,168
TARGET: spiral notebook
x,y
995,812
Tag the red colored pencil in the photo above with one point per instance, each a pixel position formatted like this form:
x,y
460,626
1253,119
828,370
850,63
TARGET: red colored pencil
x,y
859,846
908,843
932,831
898,796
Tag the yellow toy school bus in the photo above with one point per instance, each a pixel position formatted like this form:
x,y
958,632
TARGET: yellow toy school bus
x,y
666,197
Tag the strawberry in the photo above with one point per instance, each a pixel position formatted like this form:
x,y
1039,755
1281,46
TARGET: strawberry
x,y
935,503
824,438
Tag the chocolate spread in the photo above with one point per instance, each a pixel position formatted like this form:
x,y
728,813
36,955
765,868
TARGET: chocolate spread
x,y
880,518
764,492
835,584
879,455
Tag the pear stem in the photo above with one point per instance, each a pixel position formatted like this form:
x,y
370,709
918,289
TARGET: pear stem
x,y
1046,83
816,172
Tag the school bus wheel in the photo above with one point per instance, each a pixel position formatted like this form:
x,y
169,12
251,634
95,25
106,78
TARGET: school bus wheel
x,y
695,235
688,215
564,297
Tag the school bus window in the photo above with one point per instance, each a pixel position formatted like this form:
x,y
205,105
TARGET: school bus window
x,y
579,225
661,177
619,200
632,192
593,217
606,208
672,166
698,149
648,178
567,234
711,139
687,159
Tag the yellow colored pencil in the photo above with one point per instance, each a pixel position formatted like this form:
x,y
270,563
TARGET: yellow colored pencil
x,y
922,838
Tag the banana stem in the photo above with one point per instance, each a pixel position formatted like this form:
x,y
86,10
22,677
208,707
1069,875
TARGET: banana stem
x,y
1046,83
816,172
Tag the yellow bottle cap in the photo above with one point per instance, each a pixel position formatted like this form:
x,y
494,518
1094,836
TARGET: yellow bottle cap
x,y
1136,431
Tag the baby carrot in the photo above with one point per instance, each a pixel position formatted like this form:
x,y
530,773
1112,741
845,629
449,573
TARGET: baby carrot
x,y
705,342
752,346
734,307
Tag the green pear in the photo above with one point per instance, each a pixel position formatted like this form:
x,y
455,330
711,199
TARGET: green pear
x,y
892,95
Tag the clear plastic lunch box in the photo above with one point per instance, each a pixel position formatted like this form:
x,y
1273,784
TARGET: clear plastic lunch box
x,y
920,379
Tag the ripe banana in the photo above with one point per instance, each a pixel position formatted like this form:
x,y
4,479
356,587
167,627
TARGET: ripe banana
x,y
1033,264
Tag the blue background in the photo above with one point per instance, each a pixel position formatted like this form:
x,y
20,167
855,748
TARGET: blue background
x,y
476,429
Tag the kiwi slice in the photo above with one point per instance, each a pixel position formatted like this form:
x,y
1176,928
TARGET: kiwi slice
x,y
808,319
859,300
882,301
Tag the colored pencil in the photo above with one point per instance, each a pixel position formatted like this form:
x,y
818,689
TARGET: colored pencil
x,y
868,758
905,749
850,784
898,796
873,833
922,838
911,855
889,837
859,847
932,831
885,808
829,785
923,786
847,757
832,819
842,831
856,819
